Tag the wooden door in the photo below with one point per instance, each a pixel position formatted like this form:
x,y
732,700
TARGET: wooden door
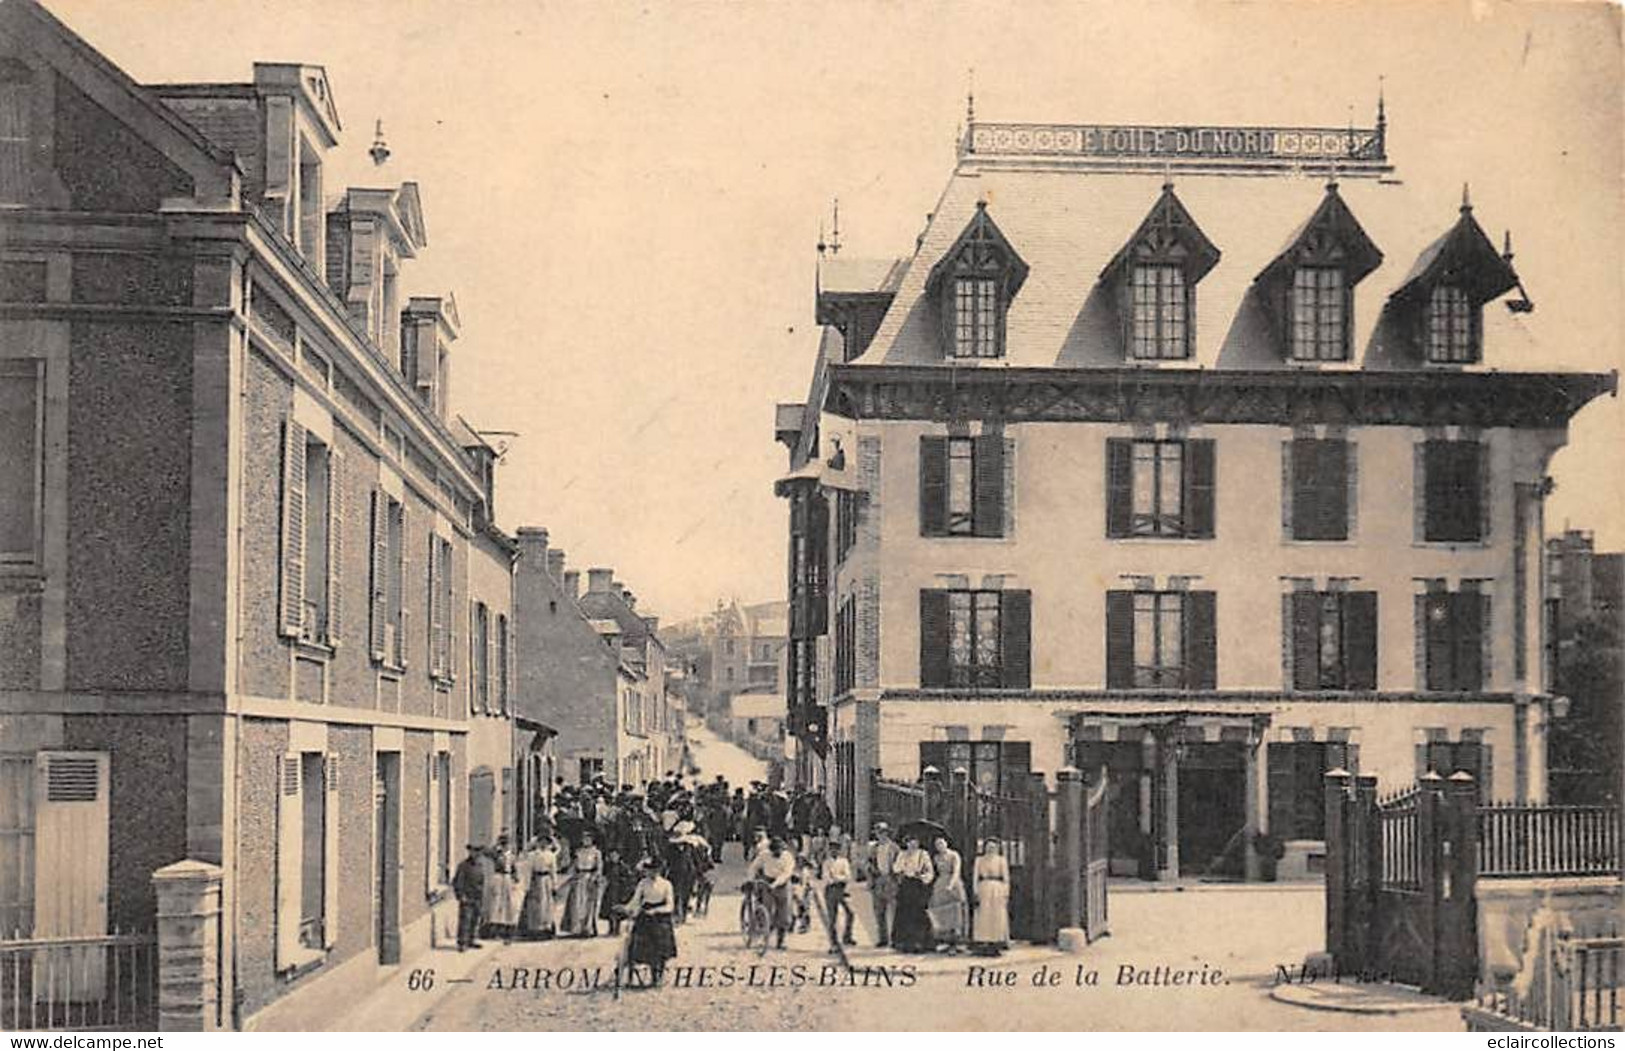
x,y
70,872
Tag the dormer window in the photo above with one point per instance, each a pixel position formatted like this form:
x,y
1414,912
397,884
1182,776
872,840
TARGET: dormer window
x,y
1161,308
310,215
1320,302
16,111
1308,289
1440,305
1452,326
1154,277
976,318
973,284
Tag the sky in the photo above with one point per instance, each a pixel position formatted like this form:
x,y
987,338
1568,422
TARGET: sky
x,y
625,197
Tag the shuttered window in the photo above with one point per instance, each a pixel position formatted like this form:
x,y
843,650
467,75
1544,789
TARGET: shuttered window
x,y
962,486
1453,491
313,514
1296,777
1161,640
846,649
22,464
440,609
16,112
387,614
1454,627
1333,640
1001,767
976,638
1160,488
1318,476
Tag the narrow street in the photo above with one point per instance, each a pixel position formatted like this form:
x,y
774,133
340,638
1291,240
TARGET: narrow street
x,y
715,756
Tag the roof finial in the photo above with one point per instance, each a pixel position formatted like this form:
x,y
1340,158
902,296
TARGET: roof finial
x,y
822,246
1382,105
1331,183
970,97
1167,177
1506,247
1466,199
380,149
835,234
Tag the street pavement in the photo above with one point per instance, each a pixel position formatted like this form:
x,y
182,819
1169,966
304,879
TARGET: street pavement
x,y
715,756
1199,959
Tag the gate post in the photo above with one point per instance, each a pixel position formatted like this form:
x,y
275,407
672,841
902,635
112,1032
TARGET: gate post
x,y
1456,942
962,814
1041,864
1069,787
188,946
1429,829
1339,864
1365,875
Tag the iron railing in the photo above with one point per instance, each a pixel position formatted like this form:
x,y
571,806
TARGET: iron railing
x,y
1516,840
98,982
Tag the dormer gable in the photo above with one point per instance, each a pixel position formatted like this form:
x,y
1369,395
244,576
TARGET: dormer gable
x,y
1439,305
973,285
1308,289
429,325
1153,279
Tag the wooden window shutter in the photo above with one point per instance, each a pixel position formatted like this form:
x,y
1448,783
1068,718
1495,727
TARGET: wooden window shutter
x,y
933,485
1419,491
431,850
335,546
1360,640
290,822
1421,761
1199,487
493,673
1119,640
1486,772
1289,501
330,852
1437,623
933,638
1281,784
1483,488
933,754
475,701
509,685
1467,609
437,658
292,617
1332,500
1119,486
1351,491
987,506
379,567
1305,640
1009,503
70,864
1015,767
1016,631
398,599
1201,640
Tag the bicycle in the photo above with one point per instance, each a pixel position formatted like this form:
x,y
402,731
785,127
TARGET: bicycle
x,y
755,916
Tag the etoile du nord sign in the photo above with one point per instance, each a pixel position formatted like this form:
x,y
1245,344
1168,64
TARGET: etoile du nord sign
x,y
1178,141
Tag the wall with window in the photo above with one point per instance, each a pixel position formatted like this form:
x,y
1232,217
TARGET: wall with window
x,y
1056,545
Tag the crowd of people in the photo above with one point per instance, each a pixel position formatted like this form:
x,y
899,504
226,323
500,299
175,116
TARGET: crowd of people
x,y
603,855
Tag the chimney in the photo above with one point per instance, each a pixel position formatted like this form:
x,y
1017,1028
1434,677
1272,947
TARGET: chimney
x,y
533,544
630,599
653,624
572,584
600,580
555,564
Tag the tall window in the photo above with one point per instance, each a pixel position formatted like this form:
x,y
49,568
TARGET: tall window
x,y
962,486
1160,307
1319,488
312,537
388,580
975,638
442,803
1452,491
1332,639
846,649
481,645
1161,639
976,333
16,100
1452,324
1296,772
440,609
1159,488
1453,627
21,459
311,215
1319,314
503,646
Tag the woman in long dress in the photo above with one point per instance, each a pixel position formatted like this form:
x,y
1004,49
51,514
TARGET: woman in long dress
x,y
586,885
536,918
504,893
991,931
911,931
948,900
653,941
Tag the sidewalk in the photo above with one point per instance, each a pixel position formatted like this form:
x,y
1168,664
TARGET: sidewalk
x,y
393,1008
1358,998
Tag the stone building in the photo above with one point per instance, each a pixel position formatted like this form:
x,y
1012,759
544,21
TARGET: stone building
x,y
254,611
1197,455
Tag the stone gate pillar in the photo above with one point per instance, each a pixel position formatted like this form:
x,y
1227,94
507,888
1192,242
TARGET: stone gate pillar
x,y
188,946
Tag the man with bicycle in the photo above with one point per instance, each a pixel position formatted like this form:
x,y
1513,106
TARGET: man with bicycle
x,y
769,875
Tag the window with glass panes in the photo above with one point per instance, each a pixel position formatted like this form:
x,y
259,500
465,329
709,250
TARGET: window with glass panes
x,y
1159,307
1158,488
1159,652
976,317
1450,326
974,656
1319,314
961,486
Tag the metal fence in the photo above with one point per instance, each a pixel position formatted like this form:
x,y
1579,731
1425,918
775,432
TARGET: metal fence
x,y
102,982
1576,987
1524,840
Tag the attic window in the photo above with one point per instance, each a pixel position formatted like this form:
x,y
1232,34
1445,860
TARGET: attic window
x,y
1154,277
1452,326
1319,322
16,101
974,282
1161,306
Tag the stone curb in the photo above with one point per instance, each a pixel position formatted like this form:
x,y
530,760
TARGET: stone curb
x,y
1363,1000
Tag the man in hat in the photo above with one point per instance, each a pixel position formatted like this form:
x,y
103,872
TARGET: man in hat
x,y
775,867
882,881
468,884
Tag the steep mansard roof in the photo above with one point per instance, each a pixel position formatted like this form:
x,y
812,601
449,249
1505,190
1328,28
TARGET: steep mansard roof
x,y
1068,226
